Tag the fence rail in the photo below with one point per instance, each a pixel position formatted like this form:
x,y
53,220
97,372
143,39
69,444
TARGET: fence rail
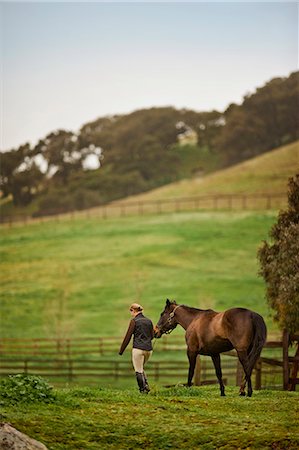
x,y
85,360
258,201
71,370
86,346
94,371
76,346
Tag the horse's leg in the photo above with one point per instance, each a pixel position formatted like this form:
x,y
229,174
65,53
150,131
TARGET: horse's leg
x,y
217,365
192,361
243,357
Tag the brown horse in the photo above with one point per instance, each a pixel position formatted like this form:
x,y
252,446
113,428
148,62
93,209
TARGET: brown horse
x,y
211,333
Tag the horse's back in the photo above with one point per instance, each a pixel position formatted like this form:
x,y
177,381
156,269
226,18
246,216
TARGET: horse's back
x,y
215,332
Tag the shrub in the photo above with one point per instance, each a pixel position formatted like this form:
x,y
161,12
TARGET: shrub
x,y
25,388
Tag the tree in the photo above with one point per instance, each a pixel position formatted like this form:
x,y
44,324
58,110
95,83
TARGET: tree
x,y
20,176
265,120
60,150
280,263
10,161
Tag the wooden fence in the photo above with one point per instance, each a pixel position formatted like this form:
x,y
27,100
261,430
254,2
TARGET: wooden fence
x,y
72,369
91,359
73,347
90,371
261,201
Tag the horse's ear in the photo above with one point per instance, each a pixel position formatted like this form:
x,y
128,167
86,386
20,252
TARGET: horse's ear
x,y
169,302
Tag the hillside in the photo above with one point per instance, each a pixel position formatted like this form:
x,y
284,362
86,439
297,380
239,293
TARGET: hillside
x,y
77,278
265,173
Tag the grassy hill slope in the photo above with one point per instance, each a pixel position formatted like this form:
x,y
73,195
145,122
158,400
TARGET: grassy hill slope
x,y
267,173
77,278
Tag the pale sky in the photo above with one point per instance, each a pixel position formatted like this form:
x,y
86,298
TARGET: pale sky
x,y
64,64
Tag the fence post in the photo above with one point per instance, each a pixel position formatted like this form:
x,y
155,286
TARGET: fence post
x,y
157,371
293,379
258,374
70,370
116,368
101,346
285,358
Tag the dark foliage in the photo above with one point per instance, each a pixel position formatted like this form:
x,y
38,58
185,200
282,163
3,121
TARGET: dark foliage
x,y
266,119
279,262
24,388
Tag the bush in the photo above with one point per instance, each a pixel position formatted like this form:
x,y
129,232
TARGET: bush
x,y
25,388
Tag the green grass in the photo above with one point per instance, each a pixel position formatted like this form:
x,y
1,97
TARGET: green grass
x,y
179,418
77,278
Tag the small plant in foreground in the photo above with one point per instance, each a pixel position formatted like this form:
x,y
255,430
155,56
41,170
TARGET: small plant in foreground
x,y
25,388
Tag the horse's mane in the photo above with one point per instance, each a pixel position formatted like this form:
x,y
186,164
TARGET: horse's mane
x,y
195,310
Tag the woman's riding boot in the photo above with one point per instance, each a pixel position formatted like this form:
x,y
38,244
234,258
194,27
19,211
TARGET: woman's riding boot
x,y
141,382
146,386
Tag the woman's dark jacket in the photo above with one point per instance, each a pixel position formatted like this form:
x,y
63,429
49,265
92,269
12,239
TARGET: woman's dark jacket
x,y
143,331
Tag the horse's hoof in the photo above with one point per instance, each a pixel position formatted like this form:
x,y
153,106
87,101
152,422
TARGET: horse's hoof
x,y
242,394
222,394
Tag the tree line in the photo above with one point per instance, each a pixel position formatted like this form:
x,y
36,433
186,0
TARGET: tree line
x,y
148,148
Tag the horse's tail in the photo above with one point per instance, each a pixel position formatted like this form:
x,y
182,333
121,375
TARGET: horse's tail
x,y
259,338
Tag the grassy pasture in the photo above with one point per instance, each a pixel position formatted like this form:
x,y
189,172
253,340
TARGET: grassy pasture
x,y
77,278
178,418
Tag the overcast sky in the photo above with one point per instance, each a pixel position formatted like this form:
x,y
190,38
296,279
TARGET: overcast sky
x,y
64,64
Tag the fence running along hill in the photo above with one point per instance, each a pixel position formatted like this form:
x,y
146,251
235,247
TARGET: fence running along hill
x,y
236,202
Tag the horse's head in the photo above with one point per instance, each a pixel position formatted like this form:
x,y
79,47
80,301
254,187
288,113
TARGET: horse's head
x,y
167,321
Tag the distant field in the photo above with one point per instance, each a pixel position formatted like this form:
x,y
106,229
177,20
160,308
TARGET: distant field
x,y
267,173
75,279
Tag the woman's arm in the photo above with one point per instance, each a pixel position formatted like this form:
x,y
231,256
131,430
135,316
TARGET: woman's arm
x,y
127,337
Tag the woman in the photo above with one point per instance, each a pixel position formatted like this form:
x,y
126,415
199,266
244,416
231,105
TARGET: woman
x,y
143,331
